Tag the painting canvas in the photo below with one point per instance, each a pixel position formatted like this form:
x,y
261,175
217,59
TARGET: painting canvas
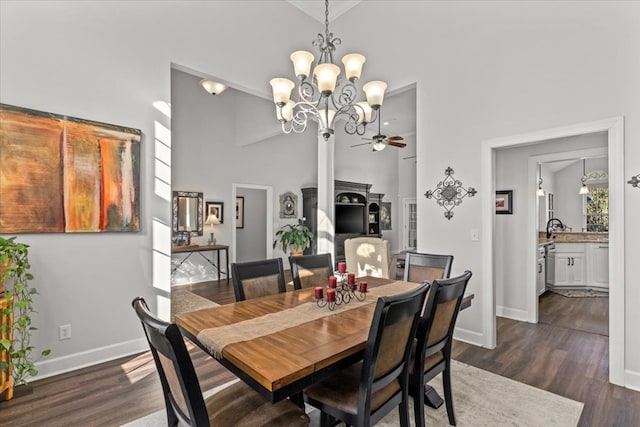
x,y
63,174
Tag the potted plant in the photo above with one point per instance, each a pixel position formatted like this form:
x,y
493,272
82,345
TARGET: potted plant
x,y
14,274
294,237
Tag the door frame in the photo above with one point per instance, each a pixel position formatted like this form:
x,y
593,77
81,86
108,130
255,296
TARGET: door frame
x,y
268,216
615,136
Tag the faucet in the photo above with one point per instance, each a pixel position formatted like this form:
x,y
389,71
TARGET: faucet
x,y
550,226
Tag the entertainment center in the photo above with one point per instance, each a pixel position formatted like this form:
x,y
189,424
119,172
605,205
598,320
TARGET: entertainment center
x,y
357,213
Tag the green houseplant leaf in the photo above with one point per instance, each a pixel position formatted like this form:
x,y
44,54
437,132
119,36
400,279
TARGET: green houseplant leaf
x,y
294,237
14,273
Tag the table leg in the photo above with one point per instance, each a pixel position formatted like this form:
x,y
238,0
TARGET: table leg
x,y
218,253
226,257
431,397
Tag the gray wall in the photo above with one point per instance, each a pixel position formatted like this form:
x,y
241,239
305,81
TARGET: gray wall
x,y
250,240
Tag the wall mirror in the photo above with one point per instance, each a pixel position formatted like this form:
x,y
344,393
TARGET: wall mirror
x,y
187,216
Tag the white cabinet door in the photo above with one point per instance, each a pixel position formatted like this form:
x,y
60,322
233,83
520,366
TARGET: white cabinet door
x,y
598,265
578,270
562,264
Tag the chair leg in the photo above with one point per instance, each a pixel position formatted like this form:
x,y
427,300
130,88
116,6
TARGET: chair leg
x,y
448,397
404,412
418,407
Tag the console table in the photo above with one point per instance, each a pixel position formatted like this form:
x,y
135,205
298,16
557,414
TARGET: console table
x,y
191,249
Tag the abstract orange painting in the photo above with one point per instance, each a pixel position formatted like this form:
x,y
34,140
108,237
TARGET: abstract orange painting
x,y
63,174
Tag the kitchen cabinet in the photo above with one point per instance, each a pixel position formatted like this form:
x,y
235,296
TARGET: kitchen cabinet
x,y
598,264
541,280
569,265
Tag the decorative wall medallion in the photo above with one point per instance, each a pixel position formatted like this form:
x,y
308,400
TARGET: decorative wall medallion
x,y
635,181
288,205
449,193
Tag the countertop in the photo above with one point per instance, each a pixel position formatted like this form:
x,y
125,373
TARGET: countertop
x,y
572,237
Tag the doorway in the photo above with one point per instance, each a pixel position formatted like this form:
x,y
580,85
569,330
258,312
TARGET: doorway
x,y
252,222
615,136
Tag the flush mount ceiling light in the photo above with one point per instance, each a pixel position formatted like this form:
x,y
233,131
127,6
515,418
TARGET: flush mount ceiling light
x,y
214,88
540,191
323,96
583,188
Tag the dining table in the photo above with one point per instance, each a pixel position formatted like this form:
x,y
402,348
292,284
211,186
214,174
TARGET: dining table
x,y
280,344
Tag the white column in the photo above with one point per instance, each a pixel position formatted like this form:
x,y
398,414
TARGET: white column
x,y
326,198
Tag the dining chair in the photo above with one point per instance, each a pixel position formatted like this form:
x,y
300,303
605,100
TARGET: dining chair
x,y
368,256
363,393
432,354
235,405
419,267
309,271
255,279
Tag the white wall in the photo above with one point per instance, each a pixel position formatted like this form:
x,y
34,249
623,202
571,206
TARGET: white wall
x,y
482,69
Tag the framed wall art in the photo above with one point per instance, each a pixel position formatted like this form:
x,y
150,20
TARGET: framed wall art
x,y
217,209
288,205
504,202
63,174
240,212
385,216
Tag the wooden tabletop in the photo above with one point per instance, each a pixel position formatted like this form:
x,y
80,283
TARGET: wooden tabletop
x,y
283,363
197,248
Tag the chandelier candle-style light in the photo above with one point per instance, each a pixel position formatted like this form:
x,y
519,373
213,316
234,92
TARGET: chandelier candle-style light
x,y
324,96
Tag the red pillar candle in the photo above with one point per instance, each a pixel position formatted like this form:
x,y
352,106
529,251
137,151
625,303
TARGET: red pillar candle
x,y
342,267
351,279
331,295
363,287
319,294
333,281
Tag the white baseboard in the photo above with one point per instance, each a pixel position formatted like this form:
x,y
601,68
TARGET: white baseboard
x,y
61,365
632,380
512,313
470,337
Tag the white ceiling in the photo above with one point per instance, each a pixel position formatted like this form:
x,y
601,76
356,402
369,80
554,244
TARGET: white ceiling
x,y
315,9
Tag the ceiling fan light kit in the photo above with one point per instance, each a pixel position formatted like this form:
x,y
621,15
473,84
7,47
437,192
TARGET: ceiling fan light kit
x,y
323,95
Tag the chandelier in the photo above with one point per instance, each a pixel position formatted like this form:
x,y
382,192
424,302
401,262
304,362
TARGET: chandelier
x,y
323,96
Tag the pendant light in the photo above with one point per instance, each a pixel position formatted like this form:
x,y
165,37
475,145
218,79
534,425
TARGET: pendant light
x,y
540,191
583,188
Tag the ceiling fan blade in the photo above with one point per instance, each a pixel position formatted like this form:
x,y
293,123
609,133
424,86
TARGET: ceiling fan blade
x,y
397,144
395,138
363,143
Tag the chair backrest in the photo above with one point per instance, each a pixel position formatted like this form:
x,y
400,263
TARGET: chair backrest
x,y
419,267
310,270
182,392
435,331
388,350
255,279
368,256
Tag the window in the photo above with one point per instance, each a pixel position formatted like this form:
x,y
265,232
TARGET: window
x,y
597,210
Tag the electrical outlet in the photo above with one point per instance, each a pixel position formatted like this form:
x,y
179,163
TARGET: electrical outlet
x,y
64,332
474,235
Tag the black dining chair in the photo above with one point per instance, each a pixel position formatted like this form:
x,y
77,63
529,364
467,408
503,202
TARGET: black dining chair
x,y
432,353
235,405
255,279
419,267
309,271
363,393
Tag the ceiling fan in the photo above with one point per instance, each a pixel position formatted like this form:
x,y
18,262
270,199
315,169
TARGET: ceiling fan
x,y
380,141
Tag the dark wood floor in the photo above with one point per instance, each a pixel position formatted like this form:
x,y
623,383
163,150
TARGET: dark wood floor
x,y
563,360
